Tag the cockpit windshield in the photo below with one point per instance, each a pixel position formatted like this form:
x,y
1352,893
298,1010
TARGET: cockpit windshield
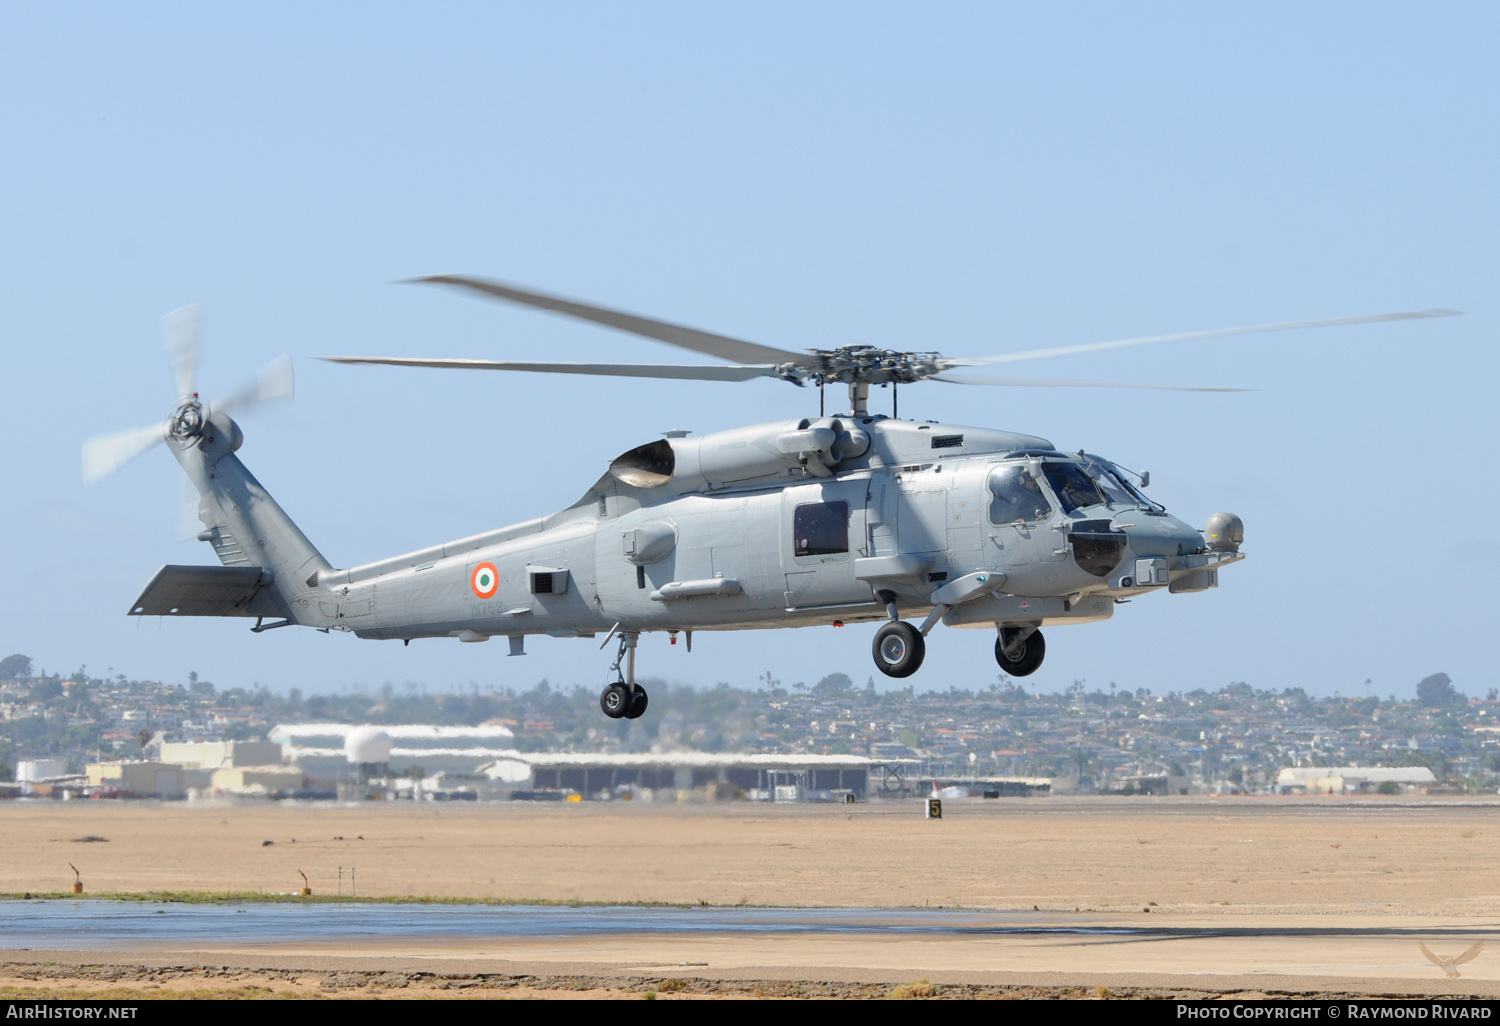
x,y
1117,489
1016,496
1073,488
1141,497
1115,492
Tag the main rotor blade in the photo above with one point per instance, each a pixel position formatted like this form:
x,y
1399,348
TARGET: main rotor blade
x,y
105,454
181,330
1094,347
272,381
986,379
618,370
722,346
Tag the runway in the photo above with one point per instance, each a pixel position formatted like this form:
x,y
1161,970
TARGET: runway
x,y
132,925
1374,953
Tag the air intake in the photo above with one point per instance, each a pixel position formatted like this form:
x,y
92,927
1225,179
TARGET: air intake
x,y
645,466
547,582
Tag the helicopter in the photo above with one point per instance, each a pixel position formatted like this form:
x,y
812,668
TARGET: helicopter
x,y
848,518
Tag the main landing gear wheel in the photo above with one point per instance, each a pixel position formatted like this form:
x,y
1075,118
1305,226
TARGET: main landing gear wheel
x,y
639,705
615,701
899,648
1020,658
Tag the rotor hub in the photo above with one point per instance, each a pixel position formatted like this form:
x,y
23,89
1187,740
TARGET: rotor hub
x,y
187,421
867,365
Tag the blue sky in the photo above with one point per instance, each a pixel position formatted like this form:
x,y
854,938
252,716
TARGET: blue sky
x,y
968,178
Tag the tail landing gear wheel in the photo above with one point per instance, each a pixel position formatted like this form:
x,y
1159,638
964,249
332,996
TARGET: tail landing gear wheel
x,y
1024,657
639,705
899,648
615,701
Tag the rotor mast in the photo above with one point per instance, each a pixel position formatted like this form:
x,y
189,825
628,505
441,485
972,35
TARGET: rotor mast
x,y
859,398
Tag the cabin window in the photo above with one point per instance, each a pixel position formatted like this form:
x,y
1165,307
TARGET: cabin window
x,y
1016,496
1073,488
820,529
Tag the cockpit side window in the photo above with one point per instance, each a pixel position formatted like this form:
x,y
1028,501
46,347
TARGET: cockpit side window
x,y
1016,495
1073,488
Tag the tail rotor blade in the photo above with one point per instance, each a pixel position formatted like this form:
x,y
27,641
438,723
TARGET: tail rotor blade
x,y
105,454
272,381
181,329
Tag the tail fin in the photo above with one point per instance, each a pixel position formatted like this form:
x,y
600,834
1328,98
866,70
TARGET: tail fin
x,y
245,525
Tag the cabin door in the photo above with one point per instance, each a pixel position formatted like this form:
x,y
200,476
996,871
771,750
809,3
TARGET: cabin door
x,y
821,524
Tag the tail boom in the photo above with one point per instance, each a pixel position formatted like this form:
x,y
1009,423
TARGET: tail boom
x,y
248,531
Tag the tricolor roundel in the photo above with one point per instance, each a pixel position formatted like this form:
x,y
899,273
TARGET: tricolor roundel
x,y
485,580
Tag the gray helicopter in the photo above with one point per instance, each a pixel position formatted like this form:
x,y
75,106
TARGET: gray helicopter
x,y
840,519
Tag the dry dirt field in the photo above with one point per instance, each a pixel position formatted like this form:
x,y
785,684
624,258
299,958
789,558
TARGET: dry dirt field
x,y
1110,854
1323,895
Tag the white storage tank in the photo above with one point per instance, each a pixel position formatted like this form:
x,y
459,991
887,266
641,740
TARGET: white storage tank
x,y
34,771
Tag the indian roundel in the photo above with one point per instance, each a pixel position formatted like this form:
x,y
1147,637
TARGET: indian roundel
x,y
485,580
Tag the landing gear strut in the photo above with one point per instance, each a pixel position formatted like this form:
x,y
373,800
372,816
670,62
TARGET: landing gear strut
x,y
1020,650
624,698
899,648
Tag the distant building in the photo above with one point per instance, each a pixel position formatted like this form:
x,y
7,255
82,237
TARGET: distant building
x,y
720,774
1150,784
272,781
35,776
329,753
233,767
981,786
1352,779
142,779
211,755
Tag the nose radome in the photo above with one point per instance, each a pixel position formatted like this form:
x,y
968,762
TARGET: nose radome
x,y
1224,532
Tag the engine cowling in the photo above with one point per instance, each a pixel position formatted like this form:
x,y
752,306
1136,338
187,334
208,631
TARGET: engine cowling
x,y
743,454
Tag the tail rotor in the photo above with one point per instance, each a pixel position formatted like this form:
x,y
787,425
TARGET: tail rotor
x,y
105,454
182,329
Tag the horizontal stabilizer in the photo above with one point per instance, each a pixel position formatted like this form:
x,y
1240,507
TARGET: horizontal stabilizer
x,y
208,591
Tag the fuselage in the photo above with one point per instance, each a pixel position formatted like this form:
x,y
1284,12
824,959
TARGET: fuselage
x,y
793,524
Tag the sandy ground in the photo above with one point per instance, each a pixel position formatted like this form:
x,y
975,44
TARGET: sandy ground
x,y
1244,895
1107,854
396,978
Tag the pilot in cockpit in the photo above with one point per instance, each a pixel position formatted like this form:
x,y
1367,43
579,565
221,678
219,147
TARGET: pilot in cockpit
x,y
1018,496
